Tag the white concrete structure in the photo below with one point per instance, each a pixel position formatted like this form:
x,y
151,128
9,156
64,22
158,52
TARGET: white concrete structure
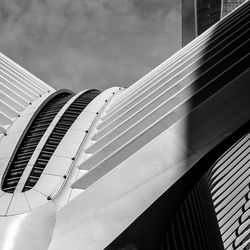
x,y
77,170
18,89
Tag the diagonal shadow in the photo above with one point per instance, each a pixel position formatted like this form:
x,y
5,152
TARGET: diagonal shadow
x,y
184,216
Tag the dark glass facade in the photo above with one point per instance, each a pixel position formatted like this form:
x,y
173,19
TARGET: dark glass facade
x,y
229,5
230,189
208,13
199,15
188,21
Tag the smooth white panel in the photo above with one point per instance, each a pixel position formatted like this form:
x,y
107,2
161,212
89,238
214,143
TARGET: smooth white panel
x,y
5,201
18,205
58,166
47,184
35,199
67,149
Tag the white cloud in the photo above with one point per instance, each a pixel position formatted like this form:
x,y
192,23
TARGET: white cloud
x,y
95,43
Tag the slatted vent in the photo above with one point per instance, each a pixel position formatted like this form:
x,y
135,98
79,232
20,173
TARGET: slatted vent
x,y
193,227
57,134
230,188
31,139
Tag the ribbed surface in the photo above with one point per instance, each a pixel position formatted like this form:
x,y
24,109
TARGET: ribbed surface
x,y
189,66
31,139
63,125
175,62
18,88
195,74
230,187
183,219
198,71
194,225
198,16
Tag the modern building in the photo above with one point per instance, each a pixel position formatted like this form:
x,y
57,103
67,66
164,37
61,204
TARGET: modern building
x,y
163,164
199,15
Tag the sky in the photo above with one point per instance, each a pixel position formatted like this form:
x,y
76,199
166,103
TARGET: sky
x,y
80,44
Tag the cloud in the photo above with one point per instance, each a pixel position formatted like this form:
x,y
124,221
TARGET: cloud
x,y
89,43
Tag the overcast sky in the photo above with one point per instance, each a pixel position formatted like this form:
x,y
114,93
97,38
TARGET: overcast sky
x,y
80,44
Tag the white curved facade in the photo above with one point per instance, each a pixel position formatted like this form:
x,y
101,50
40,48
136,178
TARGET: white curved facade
x,y
78,170
18,89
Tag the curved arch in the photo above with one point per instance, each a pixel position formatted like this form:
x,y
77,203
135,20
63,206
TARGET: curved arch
x,y
65,122
31,137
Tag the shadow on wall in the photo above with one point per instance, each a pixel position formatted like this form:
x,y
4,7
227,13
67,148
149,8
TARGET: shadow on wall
x,y
184,217
129,247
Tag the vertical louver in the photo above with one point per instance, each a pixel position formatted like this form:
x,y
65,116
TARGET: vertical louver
x,y
57,134
31,139
194,226
178,220
230,187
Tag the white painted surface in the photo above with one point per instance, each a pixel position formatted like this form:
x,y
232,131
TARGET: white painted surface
x,y
17,89
114,199
14,132
32,230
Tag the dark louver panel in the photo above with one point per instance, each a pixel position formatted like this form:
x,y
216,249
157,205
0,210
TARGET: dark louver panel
x,y
194,224
230,188
31,139
183,218
57,134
